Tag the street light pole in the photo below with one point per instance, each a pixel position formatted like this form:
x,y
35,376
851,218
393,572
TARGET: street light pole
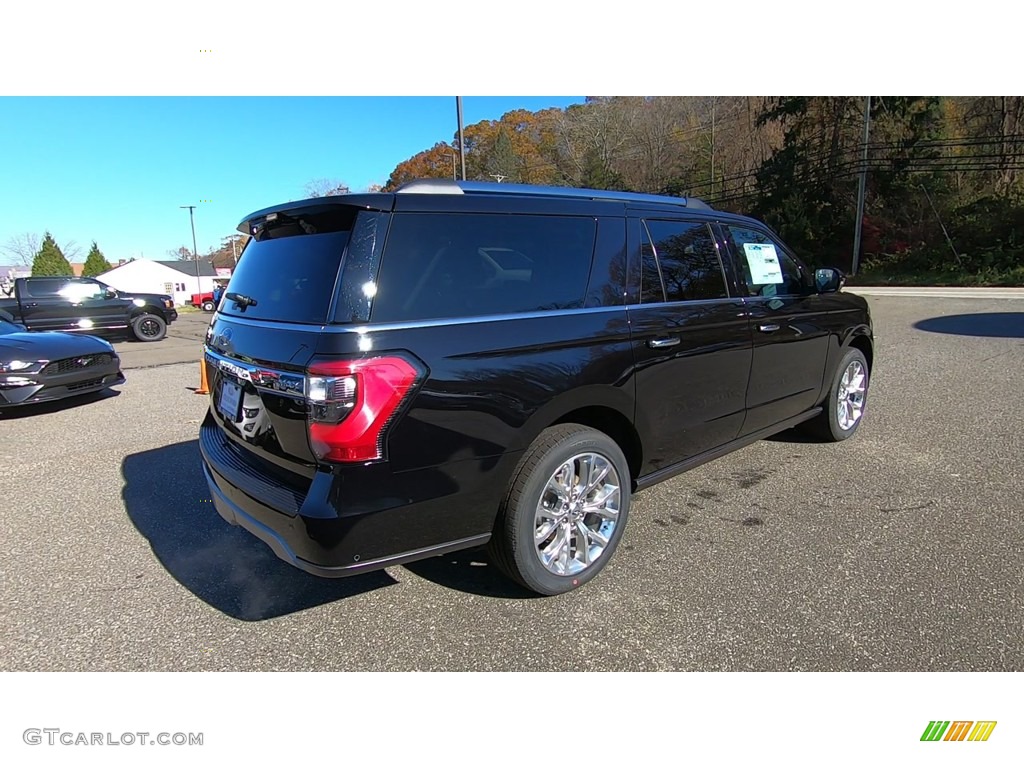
x,y
195,250
462,144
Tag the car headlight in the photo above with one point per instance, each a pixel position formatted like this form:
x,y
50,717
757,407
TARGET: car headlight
x,y
16,365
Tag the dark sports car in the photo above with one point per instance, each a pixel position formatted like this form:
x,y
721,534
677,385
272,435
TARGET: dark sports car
x,y
38,367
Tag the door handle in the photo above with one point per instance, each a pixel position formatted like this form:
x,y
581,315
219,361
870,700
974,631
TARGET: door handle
x,y
768,327
661,343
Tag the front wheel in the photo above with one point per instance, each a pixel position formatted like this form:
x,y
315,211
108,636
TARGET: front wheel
x,y
149,327
565,512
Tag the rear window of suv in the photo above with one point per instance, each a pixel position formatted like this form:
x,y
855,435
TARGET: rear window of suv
x,y
289,273
461,265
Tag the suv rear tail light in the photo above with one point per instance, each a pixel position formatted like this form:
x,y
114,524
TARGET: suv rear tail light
x,y
352,403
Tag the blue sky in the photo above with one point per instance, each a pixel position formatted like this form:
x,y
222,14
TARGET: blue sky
x,y
116,169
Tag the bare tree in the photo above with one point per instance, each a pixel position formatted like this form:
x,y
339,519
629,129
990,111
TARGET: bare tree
x,y
326,188
23,248
183,253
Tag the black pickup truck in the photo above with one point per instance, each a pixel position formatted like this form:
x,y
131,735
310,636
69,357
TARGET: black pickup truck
x,y
85,304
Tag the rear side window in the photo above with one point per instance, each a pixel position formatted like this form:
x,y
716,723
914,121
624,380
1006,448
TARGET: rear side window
x,y
460,265
44,288
290,274
687,259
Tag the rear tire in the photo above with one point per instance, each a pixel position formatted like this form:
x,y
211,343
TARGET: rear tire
x,y
209,306
149,327
846,401
565,512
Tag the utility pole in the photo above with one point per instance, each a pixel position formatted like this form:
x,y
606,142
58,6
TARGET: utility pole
x,y
462,144
944,232
454,177
195,250
234,249
861,187
714,99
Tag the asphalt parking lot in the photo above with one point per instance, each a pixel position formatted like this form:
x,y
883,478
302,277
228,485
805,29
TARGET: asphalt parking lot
x,y
901,549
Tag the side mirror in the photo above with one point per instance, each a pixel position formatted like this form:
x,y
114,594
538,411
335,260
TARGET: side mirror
x,y
110,293
829,280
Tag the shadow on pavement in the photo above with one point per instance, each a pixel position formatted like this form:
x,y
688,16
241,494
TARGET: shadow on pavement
x,y
166,498
469,571
999,325
69,403
794,435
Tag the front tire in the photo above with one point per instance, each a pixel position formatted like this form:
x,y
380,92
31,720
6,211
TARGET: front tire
x,y
846,401
149,327
565,512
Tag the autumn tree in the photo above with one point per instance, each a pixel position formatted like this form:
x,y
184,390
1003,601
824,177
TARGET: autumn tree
x,y
438,162
937,170
226,255
95,263
50,261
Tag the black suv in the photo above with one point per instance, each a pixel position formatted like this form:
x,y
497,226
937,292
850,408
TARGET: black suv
x,y
399,375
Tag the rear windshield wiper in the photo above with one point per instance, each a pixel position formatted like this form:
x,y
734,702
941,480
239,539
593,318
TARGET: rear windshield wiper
x,y
241,300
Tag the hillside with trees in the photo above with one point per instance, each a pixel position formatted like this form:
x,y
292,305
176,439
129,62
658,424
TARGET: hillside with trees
x,y
944,189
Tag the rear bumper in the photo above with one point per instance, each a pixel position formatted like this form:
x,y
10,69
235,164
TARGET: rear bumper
x,y
354,519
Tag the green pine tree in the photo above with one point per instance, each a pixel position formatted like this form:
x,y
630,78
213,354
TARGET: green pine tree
x,y
50,262
95,263
503,160
597,174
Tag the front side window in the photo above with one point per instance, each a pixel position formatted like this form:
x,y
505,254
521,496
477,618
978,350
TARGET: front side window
x,y
438,265
766,267
688,260
79,291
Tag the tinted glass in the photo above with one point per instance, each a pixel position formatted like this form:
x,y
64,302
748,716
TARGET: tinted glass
x,y
766,268
688,259
651,289
290,274
459,265
84,290
44,288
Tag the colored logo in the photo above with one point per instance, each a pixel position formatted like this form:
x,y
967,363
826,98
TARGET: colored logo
x,y
958,730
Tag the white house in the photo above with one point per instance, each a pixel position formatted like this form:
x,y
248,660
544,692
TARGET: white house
x,y
176,278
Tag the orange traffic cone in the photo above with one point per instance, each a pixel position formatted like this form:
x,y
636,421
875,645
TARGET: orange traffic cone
x,y
204,385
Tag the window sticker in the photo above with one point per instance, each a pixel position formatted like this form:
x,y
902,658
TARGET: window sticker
x,y
764,263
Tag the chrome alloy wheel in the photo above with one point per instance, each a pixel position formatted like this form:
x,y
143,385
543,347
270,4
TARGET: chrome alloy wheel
x,y
853,387
577,514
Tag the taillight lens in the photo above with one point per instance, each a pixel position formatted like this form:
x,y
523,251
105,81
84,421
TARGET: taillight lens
x,y
352,403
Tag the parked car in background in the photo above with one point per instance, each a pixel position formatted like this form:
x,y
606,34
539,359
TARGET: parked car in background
x,y
86,304
39,367
208,300
400,375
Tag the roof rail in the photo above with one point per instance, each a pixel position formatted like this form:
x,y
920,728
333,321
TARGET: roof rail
x,y
450,187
